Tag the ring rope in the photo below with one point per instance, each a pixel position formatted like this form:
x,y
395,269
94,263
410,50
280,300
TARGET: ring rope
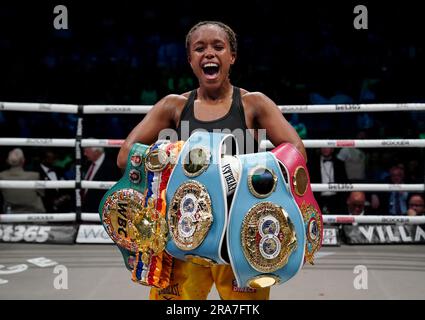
x,y
37,142
108,109
347,219
38,217
101,185
344,187
90,217
362,143
143,109
105,185
37,184
94,217
265,144
114,143
38,107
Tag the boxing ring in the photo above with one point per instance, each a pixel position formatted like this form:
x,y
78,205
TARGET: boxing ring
x,y
28,270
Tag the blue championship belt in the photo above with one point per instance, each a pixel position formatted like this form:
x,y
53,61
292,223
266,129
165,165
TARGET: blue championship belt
x,y
265,234
197,200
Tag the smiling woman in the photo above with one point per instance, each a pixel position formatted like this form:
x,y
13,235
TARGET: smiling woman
x,y
215,105
207,48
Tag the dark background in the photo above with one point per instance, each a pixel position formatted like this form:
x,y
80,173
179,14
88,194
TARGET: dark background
x,y
132,52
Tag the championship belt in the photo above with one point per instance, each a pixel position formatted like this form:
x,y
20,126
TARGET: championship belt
x,y
265,234
133,212
299,183
197,200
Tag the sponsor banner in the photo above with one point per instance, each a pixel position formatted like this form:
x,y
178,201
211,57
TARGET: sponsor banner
x,y
378,234
44,107
93,233
37,234
347,107
294,109
330,236
395,143
39,141
340,186
345,143
120,109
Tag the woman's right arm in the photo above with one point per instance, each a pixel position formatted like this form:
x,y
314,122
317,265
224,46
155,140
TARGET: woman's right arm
x,y
161,116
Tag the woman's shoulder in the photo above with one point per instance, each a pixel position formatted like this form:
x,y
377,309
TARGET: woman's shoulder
x,y
255,99
173,104
253,96
175,98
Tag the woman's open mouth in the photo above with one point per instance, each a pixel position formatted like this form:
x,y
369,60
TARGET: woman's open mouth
x,y
211,70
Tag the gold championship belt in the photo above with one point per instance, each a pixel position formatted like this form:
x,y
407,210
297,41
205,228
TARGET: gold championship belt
x,y
133,212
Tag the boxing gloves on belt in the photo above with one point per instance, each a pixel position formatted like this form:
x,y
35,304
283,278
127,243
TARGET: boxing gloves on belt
x,y
177,199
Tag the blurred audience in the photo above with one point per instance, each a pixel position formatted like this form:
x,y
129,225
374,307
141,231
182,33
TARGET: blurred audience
x,y
416,205
99,168
394,202
20,200
55,200
354,161
327,168
414,173
356,203
397,200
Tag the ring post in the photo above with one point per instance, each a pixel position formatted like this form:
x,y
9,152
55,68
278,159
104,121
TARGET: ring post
x,y
78,139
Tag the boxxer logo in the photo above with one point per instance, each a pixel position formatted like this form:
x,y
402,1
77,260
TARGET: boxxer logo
x,y
117,109
294,108
395,143
39,141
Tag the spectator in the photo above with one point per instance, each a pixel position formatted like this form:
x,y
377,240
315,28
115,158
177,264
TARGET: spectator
x,y
20,200
54,200
416,205
414,174
395,202
328,169
356,203
355,161
101,168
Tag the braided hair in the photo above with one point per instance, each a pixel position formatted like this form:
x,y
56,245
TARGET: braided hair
x,y
231,35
